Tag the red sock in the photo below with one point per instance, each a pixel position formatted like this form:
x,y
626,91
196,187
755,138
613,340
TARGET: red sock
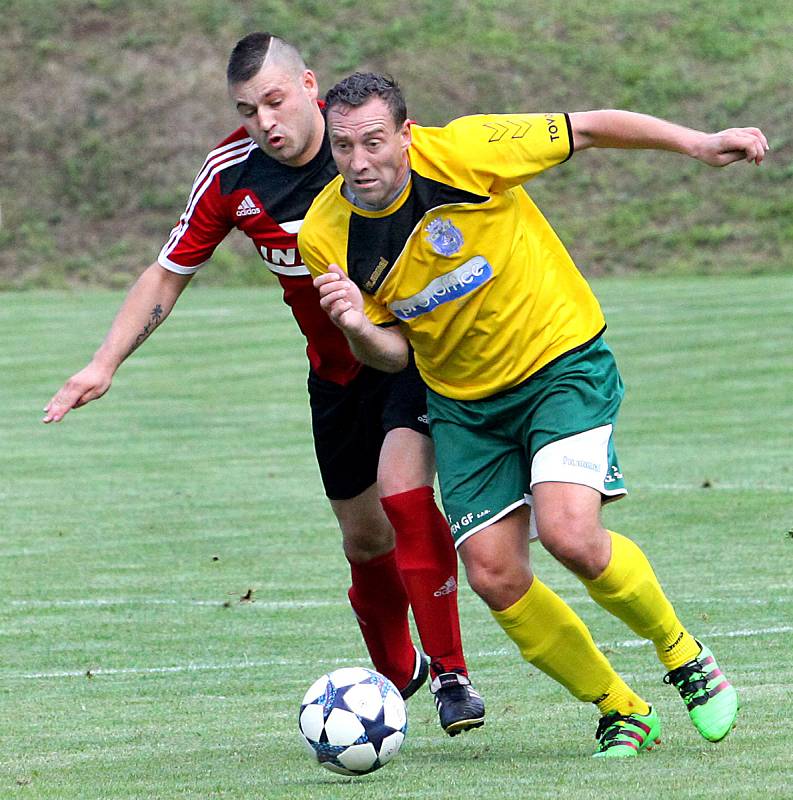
x,y
380,603
428,565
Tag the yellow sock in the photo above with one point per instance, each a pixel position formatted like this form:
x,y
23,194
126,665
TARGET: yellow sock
x,y
551,636
629,589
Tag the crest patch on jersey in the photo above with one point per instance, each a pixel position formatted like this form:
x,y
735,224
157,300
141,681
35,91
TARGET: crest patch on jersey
x,y
446,239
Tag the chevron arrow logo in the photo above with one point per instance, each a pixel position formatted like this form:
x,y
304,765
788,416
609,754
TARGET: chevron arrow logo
x,y
509,127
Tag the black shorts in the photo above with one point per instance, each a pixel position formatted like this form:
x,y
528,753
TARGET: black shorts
x,y
350,422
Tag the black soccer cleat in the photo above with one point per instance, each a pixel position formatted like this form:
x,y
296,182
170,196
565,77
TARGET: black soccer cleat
x,y
460,706
421,672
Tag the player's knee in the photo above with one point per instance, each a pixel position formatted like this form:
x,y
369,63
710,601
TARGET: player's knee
x,y
364,539
576,541
365,529
498,583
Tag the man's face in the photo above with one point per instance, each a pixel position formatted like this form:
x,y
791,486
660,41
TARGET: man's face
x,y
280,113
370,151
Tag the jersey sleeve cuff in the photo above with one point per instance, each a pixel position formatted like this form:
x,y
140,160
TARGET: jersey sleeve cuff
x,y
172,266
569,137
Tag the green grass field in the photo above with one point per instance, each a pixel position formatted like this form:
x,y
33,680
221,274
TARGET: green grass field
x,y
130,668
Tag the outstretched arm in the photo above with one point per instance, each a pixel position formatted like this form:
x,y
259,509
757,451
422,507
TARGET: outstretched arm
x,y
147,304
626,129
382,348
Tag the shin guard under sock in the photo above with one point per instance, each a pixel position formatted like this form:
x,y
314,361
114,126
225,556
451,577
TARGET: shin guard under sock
x,y
380,603
629,589
427,562
550,635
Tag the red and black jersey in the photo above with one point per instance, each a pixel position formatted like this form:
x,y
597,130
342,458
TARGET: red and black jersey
x,y
240,187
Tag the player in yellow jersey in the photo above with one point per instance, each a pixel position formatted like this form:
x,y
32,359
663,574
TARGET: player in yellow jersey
x,y
427,239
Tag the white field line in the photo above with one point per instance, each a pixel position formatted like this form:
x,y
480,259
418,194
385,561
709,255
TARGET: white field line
x,y
630,643
269,662
121,601
268,605
715,635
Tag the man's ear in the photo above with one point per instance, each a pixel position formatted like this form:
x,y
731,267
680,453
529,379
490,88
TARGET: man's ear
x,y
406,135
310,84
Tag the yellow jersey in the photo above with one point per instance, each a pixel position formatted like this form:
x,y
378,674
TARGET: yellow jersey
x,y
462,259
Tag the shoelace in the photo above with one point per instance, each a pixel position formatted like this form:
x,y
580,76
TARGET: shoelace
x,y
689,679
608,729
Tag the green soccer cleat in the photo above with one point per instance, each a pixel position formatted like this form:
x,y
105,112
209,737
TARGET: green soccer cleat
x,y
626,736
711,699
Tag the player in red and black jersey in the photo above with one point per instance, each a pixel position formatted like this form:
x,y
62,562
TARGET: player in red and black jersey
x,y
370,429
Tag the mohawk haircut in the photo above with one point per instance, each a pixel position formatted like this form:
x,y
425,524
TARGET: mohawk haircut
x,y
251,51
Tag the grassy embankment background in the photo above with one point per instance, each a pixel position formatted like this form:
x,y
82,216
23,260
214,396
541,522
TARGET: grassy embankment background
x,y
109,108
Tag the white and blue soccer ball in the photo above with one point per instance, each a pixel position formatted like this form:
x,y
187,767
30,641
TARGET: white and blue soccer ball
x,y
353,721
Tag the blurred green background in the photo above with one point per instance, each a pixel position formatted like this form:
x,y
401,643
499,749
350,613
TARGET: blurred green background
x,y
110,107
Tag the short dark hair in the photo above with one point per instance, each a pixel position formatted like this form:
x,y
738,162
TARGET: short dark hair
x,y
359,87
247,57
249,53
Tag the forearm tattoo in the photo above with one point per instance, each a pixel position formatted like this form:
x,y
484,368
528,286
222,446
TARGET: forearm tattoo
x,y
155,319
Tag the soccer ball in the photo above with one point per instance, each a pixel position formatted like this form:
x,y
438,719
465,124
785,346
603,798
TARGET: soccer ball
x,y
353,720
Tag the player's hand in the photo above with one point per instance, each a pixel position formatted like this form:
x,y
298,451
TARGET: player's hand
x,y
731,145
341,299
88,384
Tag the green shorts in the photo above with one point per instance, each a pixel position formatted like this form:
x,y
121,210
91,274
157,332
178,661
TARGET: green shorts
x,y
555,426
